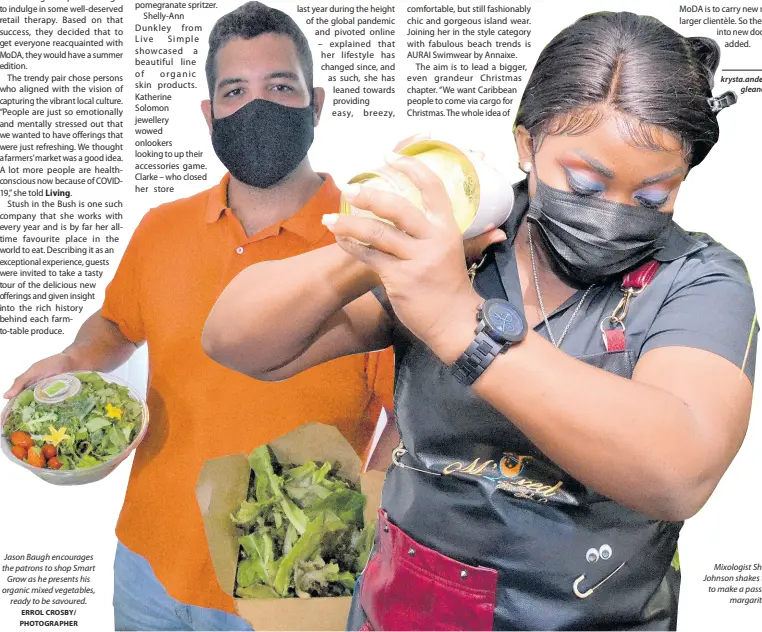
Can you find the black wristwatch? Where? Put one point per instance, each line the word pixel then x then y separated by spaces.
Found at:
pixel 500 326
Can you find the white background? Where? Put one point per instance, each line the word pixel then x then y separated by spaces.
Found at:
pixel 719 198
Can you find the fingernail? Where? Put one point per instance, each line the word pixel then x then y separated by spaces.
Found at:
pixel 351 190
pixel 392 157
pixel 330 219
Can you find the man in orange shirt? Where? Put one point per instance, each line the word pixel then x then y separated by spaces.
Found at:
pixel 261 115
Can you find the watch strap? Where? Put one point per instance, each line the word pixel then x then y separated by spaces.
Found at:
pixel 476 358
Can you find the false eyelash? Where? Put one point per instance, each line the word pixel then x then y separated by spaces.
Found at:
pixel 646 203
pixel 579 189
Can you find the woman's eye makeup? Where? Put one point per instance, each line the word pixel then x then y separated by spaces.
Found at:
pixel 651 199
pixel 582 184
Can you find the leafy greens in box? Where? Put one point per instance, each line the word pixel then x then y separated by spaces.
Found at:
pixel 303 531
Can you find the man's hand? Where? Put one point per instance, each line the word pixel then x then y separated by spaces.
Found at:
pixel 99 346
pixel 55 364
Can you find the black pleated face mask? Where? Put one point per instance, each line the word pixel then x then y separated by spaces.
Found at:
pixel 589 240
pixel 262 142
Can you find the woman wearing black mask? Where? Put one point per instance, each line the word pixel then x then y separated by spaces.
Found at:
pixel 555 435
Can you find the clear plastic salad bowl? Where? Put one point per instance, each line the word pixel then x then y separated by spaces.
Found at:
pixel 85 474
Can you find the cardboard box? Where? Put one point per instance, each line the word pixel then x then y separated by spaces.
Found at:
pixel 223 484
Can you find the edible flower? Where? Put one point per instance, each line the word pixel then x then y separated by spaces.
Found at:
pixel 113 412
pixel 56 436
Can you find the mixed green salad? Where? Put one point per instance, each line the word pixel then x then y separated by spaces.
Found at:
pixel 89 428
pixel 304 533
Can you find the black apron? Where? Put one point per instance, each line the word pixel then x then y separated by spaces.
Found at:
pixel 484 511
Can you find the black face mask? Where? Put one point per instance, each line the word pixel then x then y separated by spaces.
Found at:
pixel 262 142
pixel 589 240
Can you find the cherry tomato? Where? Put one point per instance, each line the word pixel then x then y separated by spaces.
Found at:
pixel 50 451
pixel 22 439
pixel 19 452
pixel 35 457
pixel 54 464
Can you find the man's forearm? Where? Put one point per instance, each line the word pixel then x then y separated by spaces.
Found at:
pixel 100 345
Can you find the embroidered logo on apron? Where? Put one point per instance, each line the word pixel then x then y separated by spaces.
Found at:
pixel 515 474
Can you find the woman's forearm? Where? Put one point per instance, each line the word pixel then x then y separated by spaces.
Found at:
pixel 631 441
pixel 272 311
pixel 628 441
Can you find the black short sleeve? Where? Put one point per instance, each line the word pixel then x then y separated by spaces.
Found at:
pixel 710 306
pixel 380 293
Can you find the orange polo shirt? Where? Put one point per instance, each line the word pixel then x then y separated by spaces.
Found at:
pixel 177 263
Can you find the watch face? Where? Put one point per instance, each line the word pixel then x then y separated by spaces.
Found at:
pixel 504 320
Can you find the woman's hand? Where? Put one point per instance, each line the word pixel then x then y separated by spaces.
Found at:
pixel 420 259
pixel 475 246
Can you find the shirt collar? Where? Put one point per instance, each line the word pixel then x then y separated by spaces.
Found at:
pixel 217 202
pixel 305 223
pixel 674 243
pixel 677 243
